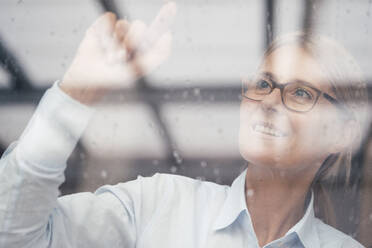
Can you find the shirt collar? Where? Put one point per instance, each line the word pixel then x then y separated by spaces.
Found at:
pixel 305 228
pixel 235 204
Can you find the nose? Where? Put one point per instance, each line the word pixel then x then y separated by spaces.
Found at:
pixel 272 101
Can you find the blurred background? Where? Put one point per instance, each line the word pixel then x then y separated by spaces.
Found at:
pixel 184 117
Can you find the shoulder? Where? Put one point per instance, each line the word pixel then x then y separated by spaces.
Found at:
pixel 163 186
pixel 331 237
pixel 162 195
pixel 176 184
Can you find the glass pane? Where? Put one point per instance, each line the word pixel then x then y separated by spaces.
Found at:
pixel 126 94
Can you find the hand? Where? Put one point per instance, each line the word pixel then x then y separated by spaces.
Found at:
pixel 115 53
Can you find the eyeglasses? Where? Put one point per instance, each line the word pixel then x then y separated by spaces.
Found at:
pixel 296 96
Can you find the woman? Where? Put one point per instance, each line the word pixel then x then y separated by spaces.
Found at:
pixel 289 143
pixel 301 136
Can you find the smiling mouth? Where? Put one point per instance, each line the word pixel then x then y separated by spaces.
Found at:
pixel 267 129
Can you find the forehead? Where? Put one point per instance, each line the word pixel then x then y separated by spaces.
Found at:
pixel 291 62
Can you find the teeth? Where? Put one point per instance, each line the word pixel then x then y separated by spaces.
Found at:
pixel 267 130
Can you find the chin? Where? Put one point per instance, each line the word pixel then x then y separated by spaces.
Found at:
pixel 261 159
pixel 262 153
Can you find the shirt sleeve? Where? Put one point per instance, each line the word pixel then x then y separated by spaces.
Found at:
pixel 32 169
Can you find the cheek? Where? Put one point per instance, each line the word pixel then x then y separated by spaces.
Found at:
pixel 248 145
pixel 246 109
pixel 311 135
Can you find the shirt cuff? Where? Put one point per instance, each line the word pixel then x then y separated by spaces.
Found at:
pixel 54 130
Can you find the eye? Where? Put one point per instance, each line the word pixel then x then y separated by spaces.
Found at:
pixel 302 93
pixel 262 84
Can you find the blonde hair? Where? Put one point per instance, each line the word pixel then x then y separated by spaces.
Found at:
pixel 345 78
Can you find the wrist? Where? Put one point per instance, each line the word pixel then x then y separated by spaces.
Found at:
pixel 83 93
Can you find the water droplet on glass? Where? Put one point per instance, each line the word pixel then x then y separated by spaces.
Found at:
pixel 173 169
pixel 177 156
pixel 250 192
pixel 216 171
pixel 155 162
pixel 203 164
pixel 104 174
pixel 196 91
pixel 200 178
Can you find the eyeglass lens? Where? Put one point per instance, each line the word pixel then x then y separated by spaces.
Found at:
pixel 296 96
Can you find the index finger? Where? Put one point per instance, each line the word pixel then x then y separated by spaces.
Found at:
pixel 162 21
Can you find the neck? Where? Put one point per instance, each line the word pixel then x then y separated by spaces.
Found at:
pixel 275 199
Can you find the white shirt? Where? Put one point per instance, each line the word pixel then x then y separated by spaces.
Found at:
pixel 159 211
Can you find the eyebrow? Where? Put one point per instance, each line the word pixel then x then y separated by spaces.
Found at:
pixel 268 75
pixel 273 78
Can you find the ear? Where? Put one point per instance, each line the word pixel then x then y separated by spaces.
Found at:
pixel 345 136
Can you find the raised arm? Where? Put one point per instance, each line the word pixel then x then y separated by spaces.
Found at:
pixel 113 54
